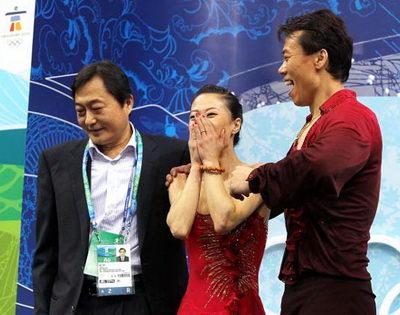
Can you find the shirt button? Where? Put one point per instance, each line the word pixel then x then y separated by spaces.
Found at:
pixel 73 309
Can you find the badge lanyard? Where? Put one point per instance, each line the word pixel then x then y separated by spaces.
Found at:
pixel 131 196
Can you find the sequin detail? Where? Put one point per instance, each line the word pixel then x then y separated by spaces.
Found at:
pixel 232 264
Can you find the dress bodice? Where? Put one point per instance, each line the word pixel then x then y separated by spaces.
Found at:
pixel 223 269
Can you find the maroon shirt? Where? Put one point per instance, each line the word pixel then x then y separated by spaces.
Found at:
pixel 329 191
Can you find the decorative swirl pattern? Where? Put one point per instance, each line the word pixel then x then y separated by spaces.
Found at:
pixel 171 48
pixel 363 8
pixel 224 17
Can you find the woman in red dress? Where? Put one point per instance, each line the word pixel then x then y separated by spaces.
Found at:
pixel 225 238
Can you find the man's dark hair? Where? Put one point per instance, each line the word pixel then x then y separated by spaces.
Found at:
pixel 122 249
pixel 115 80
pixel 323 30
pixel 231 100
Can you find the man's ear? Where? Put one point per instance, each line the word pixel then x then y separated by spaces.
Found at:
pixel 321 59
pixel 130 101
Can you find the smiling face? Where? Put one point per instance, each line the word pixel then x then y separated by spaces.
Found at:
pixel 214 107
pixel 104 119
pixel 299 71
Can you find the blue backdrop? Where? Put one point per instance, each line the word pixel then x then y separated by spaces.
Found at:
pixel 171 48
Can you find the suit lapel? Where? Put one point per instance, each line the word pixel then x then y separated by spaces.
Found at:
pixel 146 186
pixel 75 172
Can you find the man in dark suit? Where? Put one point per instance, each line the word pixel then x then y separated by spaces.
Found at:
pixel 70 209
pixel 122 255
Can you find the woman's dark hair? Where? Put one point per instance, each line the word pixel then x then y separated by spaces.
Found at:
pixel 231 100
pixel 115 80
pixel 323 30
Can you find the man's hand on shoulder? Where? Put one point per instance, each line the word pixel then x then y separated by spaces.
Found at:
pixel 184 169
pixel 238 184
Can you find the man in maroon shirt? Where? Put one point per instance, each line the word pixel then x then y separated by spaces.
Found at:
pixel 328 185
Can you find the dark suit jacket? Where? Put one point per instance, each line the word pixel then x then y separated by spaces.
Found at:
pixel 62 228
pixel 126 258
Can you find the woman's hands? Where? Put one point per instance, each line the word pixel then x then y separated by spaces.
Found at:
pixel 193 150
pixel 210 143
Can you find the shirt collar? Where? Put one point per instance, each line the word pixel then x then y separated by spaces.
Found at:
pixel 131 145
pixel 333 101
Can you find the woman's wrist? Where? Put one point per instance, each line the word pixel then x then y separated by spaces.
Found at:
pixel 212 163
pixel 195 166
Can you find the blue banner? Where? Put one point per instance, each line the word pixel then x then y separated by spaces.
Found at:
pixel 169 49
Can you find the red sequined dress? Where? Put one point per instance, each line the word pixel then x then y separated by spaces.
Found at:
pixel 223 269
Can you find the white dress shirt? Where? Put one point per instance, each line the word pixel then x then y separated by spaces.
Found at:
pixel 109 185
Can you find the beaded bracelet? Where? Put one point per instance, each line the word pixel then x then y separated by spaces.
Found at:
pixel 212 170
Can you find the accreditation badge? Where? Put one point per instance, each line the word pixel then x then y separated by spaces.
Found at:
pixel 114 270
pixel 103 238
